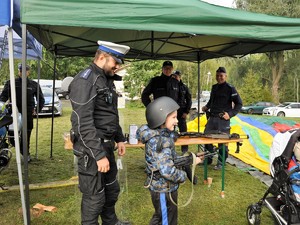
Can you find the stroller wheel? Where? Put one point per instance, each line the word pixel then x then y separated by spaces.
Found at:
pixel 253 215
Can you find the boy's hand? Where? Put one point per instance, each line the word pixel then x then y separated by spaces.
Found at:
pixel 200 157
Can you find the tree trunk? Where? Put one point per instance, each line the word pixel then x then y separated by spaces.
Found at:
pixel 277 64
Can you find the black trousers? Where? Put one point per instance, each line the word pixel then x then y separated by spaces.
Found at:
pixel 182 128
pixel 100 191
pixel 166 213
pixel 29 130
pixel 217 124
pixel 12 140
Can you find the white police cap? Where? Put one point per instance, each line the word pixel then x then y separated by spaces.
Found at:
pixel 115 50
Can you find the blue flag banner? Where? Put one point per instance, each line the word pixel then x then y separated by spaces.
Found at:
pixel 5 13
pixel 16 25
pixel 17 41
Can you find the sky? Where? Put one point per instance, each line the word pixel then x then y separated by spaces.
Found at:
pixel 226 3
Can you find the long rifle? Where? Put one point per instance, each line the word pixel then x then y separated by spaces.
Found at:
pixel 216 135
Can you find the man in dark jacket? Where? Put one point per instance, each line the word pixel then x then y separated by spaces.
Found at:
pixel 163 85
pixel 33 91
pixel 95 123
pixel 223 104
pixel 185 103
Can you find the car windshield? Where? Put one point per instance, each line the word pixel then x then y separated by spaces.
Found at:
pixel 47 92
pixel 283 104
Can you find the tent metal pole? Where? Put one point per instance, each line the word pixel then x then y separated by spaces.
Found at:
pixel 54 73
pixel 15 120
pixel 152 43
pixel 24 119
pixel 37 110
pixel 198 88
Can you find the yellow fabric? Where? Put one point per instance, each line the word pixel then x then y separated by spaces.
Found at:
pixel 247 152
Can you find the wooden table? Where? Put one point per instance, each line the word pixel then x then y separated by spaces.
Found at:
pixel 200 141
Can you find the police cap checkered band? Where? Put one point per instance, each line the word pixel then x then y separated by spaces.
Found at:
pixel 115 50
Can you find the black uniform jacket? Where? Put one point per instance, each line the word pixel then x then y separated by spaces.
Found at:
pixel 32 93
pixel 95 112
pixel 161 86
pixel 221 98
pixel 185 99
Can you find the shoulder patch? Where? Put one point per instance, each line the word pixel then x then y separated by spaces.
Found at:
pixel 86 73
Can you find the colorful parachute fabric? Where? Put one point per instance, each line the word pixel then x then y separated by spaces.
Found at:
pixel 261 130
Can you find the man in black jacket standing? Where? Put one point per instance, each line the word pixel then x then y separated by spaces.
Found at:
pixel 96 129
pixel 223 104
pixel 163 85
pixel 185 103
pixel 33 88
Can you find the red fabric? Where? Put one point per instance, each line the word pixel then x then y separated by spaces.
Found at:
pixel 292 163
pixel 281 127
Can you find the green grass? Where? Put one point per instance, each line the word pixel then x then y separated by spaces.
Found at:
pixel 206 208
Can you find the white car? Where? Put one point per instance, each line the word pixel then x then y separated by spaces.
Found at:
pixel 47 109
pixel 202 102
pixel 286 109
pixel 269 111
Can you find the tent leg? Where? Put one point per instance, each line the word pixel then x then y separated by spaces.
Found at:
pixel 15 121
pixel 37 110
pixel 54 73
pixel 24 120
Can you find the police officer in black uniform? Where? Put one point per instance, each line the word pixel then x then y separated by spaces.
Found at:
pixel 163 85
pixel 223 104
pixel 33 89
pixel 95 130
pixel 185 103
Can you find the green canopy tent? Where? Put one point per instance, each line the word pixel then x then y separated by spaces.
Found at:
pixel 159 29
pixel 188 30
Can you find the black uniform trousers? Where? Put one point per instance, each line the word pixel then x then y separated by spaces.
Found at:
pixel 29 130
pixel 215 123
pixel 166 213
pixel 182 128
pixel 100 191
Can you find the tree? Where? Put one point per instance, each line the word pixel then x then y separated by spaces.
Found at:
pixel 252 88
pixel 288 8
pixel 67 66
pixel 139 75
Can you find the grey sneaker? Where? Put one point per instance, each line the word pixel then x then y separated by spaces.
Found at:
pixel 218 167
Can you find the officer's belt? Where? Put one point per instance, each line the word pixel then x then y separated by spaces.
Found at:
pixel 214 114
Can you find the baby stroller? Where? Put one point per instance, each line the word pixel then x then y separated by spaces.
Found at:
pixel 281 198
pixel 6 129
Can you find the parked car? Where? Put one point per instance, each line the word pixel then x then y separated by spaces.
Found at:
pixel 269 111
pixel 202 102
pixel 47 109
pixel 256 108
pixel 63 94
pixel 194 107
pixel 287 109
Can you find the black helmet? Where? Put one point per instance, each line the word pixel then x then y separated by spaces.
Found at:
pixel 158 110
